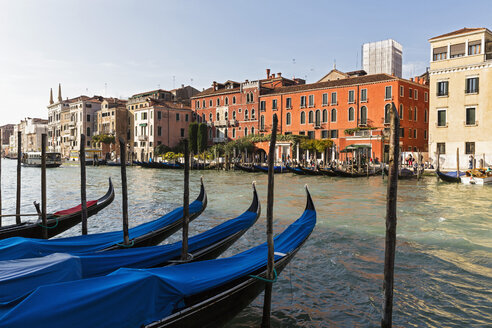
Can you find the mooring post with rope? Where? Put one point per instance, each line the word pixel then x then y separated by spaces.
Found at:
pixel 83 198
pixel 186 203
pixel 124 192
pixel 18 193
pixel 0 177
pixel 267 302
pixel 390 241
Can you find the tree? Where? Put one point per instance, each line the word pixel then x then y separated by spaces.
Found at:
pixel 202 137
pixel 162 149
pixel 193 137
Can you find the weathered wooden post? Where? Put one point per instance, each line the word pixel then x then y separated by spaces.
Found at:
pixel 83 198
pixel 43 185
pixel 391 199
pixel 186 205
pixel 0 177
pixel 124 192
pixel 267 302
pixel 457 163
pixel 18 194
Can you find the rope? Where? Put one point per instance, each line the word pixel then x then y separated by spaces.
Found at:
pixel 264 279
pixel 47 227
pixel 130 245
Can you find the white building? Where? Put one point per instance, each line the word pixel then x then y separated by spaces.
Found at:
pixel 382 57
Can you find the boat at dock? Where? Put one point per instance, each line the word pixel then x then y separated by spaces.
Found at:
pixel 33 159
pixel 200 294
pixel 477 176
pixel 147 234
pixel 245 168
pixel 24 275
pixel 276 169
pixel 59 221
pixel 450 176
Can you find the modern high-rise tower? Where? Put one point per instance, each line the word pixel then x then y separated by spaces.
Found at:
pixel 382 57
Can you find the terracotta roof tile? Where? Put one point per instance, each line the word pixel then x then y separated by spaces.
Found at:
pixel 460 31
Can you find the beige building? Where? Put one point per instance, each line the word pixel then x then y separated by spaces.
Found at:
pixel 31 133
pixel 460 97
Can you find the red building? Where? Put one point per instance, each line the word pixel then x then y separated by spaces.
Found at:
pixel 351 109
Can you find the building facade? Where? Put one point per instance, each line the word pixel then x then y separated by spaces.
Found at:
pixel 382 57
pixel 56 110
pixel 460 98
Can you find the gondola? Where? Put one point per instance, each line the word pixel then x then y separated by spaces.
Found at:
pixel 276 169
pixel 59 221
pixel 328 172
pixel 22 276
pixel 403 174
pixel 347 174
pixel 311 171
pixel 295 170
pixel 245 168
pixel 449 176
pixel 200 294
pixel 146 234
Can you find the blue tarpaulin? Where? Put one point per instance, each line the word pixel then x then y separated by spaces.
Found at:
pixel 18 277
pixel 134 297
pixel 19 247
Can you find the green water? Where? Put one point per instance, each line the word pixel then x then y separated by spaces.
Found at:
pixel 443 275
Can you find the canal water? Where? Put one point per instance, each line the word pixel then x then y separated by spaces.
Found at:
pixel 443 274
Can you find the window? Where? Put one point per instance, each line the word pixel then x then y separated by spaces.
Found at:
pixel 144 115
pixel 302 133
pixel 426 115
pixel 262 123
pixel 274 104
pixel 333 134
pixel 210 103
pixel 324 134
pixel 233 102
pixel 363 95
pixel 253 114
pixel 325 99
pixel 441 117
pixel 410 93
pixel 245 131
pixel 363 115
pixel 351 96
pixel 233 132
pixel 303 118
pixel 159 131
pixel 402 132
pixel 325 115
pixel 387 114
pixel 311 134
pixel 88 132
pixel 88 117
pixel 472 85
pixel 440 53
pixel 233 114
pixel 351 114
pixel 218 116
pixel 288 119
pixel 470 148
pixel 226 115
pixel 262 105
pixel 226 101
pixel 333 115
pixel 252 130
pixel 474 47
pixel 317 118
pixel 288 103
pixel 333 98
pixel 246 116
pixel 387 93
pixel 401 111
pixel 415 114
pixel 426 96
pixel 186 118
pixel 415 133
pixel 311 100
pixel 203 103
pixel 425 134
pixel 159 115
pixel 177 116
pixel 303 101
pixel 409 133
pixel 470 116
pixel 402 90
pixel 210 117
pixel 416 94
pixel 182 133
pixel 197 104
pixel 218 102
pixel 311 117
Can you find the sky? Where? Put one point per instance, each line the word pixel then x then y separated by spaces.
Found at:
pixel 122 47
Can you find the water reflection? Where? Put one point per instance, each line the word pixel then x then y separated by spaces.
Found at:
pixel 443 261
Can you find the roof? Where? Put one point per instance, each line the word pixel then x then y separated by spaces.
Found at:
pixel 210 91
pixel 168 104
pixel 374 78
pixel 464 30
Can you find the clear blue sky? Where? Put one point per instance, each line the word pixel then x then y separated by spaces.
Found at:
pixel 118 48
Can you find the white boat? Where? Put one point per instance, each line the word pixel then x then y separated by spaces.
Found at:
pixel 477 176
pixel 33 159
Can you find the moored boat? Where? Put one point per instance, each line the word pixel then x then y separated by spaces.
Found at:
pixel 59 221
pixel 450 176
pixel 245 168
pixel 295 170
pixel 33 159
pixel 477 176
pixel 311 171
pixel 276 169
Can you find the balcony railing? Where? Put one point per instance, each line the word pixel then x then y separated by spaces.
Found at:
pixel 142 138
pixel 219 139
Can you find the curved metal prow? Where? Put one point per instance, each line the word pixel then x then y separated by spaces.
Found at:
pixel 201 197
pixel 309 201
pixel 255 204
pixel 109 193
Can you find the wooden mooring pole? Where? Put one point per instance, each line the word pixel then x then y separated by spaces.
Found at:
pixel 124 191
pixel 186 205
pixel 43 185
pixel 457 163
pixel 267 302
pixel 391 199
pixel 0 177
pixel 83 198
pixel 18 193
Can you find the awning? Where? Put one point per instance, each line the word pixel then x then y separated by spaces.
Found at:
pixel 355 147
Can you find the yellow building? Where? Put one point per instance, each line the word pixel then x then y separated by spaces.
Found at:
pixel 461 97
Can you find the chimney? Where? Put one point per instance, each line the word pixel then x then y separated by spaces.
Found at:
pixel 268 73
pixel 273 75
pixel 182 86
pixel 215 85
pixel 51 97
pixel 279 74
pixel 411 79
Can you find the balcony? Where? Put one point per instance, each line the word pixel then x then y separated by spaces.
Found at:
pixel 72 138
pixel 362 133
pixel 317 125
pixel 210 124
pixel 233 122
pixel 142 138
pixel 220 123
pixel 219 139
